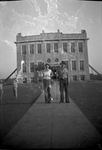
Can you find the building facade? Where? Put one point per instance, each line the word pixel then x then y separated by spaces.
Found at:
pixel 53 48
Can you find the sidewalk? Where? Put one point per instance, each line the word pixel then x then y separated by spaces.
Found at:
pixel 53 125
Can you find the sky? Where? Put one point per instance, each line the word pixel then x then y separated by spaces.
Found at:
pixel 30 17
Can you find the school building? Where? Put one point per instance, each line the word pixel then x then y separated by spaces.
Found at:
pixel 52 48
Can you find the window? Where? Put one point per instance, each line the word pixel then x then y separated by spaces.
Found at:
pixel 24 68
pixel 48 47
pixel 56 47
pixel 48 60
pixel 24 80
pixel 74 77
pixel 31 66
pixel 80 45
pixel 32 49
pixel 39 48
pixel 56 60
pixel 73 47
pixel 23 49
pixel 65 47
pixel 82 77
pixel 81 64
pixel 73 64
pixel 32 79
pixel 40 65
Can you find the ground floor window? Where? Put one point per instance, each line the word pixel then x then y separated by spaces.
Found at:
pixel 74 77
pixel 31 66
pixel 25 80
pixel 32 79
pixel 74 65
pixel 82 77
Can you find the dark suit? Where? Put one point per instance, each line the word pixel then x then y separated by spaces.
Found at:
pixel 63 77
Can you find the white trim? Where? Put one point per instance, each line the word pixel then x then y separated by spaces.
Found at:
pixel 69 47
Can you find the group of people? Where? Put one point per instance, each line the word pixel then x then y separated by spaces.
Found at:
pixel 64 81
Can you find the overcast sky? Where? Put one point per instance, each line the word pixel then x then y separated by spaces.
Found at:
pixel 30 17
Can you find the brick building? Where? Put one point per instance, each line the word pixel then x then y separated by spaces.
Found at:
pixel 53 48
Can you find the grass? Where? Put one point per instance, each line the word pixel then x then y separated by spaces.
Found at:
pixel 11 109
pixel 88 97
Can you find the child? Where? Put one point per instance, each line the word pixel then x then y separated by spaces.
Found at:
pixel 1 89
pixel 15 86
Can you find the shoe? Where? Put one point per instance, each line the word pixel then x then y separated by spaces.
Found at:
pixel 67 102
pixel 61 102
pixel 49 102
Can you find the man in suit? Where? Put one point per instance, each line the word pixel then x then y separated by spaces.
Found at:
pixel 64 78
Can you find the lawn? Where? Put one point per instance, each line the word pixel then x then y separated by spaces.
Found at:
pixel 11 109
pixel 88 97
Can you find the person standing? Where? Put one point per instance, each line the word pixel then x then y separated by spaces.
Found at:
pixel 64 78
pixel 15 88
pixel 1 89
pixel 47 75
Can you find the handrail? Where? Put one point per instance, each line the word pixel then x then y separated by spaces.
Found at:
pixel 95 70
pixel 10 75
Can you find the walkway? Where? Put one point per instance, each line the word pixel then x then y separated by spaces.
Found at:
pixel 53 125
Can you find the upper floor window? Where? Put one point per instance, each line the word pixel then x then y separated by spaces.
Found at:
pixel 80 45
pixel 40 65
pixel 73 64
pixel 48 47
pixel 81 64
pixel 73 47
pixel 56 47
pixel 65 47
pixel 39 48
pixel 23 49
pixel 31 66
pixel 31 48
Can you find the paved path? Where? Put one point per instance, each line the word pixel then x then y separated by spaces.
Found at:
pixel 53 125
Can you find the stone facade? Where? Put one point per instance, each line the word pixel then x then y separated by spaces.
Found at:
pixel 53 48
